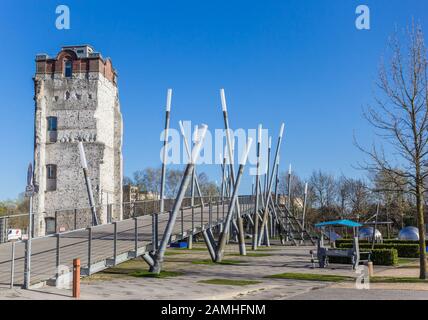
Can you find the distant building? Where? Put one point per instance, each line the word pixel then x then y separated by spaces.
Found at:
pixel 133 193
pixel 297 201
pixel 136 202
pixel 76 99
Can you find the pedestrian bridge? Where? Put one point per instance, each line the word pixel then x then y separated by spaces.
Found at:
pixel 103 246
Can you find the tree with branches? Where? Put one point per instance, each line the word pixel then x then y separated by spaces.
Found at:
pixel 400 118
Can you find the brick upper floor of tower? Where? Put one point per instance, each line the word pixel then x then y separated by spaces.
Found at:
pixel 76 59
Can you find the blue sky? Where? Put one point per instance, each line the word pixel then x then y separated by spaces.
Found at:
pixel 301 62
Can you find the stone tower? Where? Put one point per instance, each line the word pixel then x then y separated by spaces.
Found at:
pixel 76 99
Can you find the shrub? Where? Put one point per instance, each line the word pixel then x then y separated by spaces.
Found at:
pixel 383 257
pixel 404 250
pixel 404 241
pixel 340 241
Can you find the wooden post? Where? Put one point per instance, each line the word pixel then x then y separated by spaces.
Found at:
pixel 76 278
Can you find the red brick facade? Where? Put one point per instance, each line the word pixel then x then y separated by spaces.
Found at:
pixel 80 65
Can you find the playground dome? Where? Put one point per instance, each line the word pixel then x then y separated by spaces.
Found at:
pixel 366 233
pixel 409 233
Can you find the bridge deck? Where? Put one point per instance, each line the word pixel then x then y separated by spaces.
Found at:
pixel 74 244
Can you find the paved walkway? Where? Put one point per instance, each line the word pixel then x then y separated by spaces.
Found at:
pixel 117 283
pixel 277 259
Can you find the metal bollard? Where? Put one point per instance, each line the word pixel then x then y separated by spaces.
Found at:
pixel 76 278
pixel 12 266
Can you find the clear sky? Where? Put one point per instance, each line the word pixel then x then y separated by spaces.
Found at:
pixel 298 61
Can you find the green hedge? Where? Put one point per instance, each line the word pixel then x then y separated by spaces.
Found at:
pixel 340 241
pixel 382 257
pixel 404 241
pixel 404 250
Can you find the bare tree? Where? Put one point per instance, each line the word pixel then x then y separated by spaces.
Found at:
pixel 400 117
pixel 343 193
pixel 359 198
pixel 324 187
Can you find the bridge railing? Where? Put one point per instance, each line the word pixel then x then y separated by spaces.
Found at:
pixel 108 244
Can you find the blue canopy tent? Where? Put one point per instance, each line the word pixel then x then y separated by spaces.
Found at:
pixel 332 235
pixel 343 222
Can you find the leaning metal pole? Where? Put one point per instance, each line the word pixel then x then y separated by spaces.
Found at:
pixel 158 258
pixel 241 237
pixel 256 206
pixel 268 167
pixel 276 181
pixel 195 181
pixel 84 164
pixel 266 209
pixel 233 202
pixel 163 173
pixel 223 182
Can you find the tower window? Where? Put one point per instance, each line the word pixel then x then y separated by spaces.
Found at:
pixel 68 68
pixel 52 129
pixel 52 123
pixel 51 177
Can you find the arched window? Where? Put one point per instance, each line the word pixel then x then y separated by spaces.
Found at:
pixel 68 68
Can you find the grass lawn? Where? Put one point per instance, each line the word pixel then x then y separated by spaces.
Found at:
pixel 163 274
pixel 311 277
pixel 224 261
pixel 407 260
pixel 230 282
pixel 174 253
pixel 251 254
pixel 189 250
pixel 396 280
pixel 263 248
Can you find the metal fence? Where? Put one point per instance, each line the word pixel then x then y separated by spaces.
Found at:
pixel 105 245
